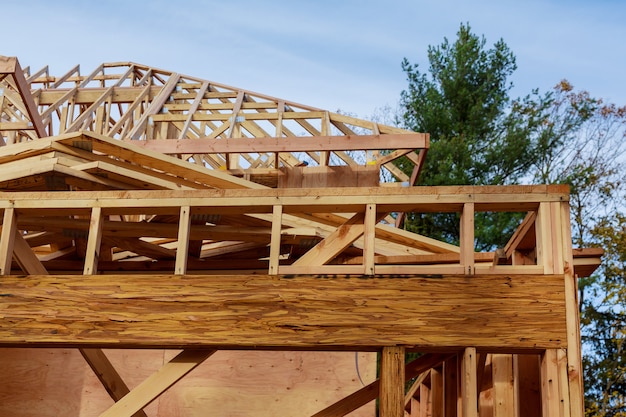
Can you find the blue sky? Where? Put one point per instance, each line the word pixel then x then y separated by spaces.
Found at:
pixel 334 55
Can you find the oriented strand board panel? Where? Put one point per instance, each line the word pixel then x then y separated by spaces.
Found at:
pixel 284 312
pixel 230 383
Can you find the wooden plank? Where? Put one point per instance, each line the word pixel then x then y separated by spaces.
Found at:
pixel 503 392
pixel 426 199
pixel 392 382
pixel 336 242
pixel 574 354
pixel 157 383
pixel 7 240
pixel 182 250
pixel 550 399
pixel 94 241
pixel 543 231
pixel 369 238
pixel 437 392
pixel 276 239
pixel 469 391
pixel 25 257
pixel 316 312
pixel 292 144
pixel 107 375
pixel 467 238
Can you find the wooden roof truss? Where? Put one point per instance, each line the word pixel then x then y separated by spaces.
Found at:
pixel 142 208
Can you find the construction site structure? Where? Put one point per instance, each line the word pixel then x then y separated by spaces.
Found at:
pixel 172 246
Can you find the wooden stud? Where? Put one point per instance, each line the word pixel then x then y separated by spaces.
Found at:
pixel 574 354
pixel 182 251
pixel 550 398
pixel 392 382
pixel 7 240
pixel 469 391
pixel 437 392
pixel 543 232
pixel 369 238
pixel 528 384
pixel 503 388
pixel 94 241
pixel 467 238
pixel 275 242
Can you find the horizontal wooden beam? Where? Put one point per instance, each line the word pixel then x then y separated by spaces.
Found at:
pixel 283 312
pixel 345 199
pixel 286 144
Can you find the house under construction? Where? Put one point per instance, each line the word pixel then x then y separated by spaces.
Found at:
pixel 172 246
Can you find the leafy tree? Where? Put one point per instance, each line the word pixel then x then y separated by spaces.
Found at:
pixel 479 135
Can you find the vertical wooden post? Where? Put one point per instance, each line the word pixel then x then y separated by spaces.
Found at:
pixel 467 238
pixel 550 400
pixel 184 227
pixel 437 389
pixel 574 354
pixel 7 240
pixel 392 382
pixel 544 234
pixel 503 393
pixel 92 254
pixel 369 237
pixel 277 216
pixel 469 388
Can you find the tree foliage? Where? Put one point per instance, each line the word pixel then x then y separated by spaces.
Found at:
pixel 481 136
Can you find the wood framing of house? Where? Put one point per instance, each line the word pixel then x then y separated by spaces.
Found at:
pixel 149 211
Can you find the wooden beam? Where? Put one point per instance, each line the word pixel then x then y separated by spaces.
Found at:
pixel 392 382
pixel 157 383
pixel 108 376
pixel 25 257
pixel 10 65
pixel 317 312
pixel 336 242
pixel 333 200
pixel 7 240
pixel 282 144
pixel 574 353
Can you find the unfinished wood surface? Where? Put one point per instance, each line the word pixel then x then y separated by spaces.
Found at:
pixel 574 353
pixel 469 389
pixel 7 240
pixel 108 376
pixel 392 382
pixel 321 312
pixel 252 383
pixel 503 386
pixel 156 384
pixel 371 391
